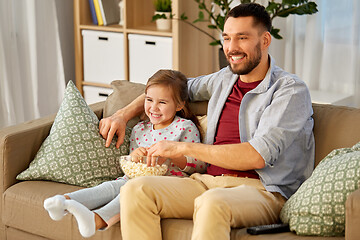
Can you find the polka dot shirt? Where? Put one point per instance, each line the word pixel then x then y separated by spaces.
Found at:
pixel 181 130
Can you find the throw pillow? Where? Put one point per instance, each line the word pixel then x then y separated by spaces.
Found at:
pixel 124 93
pixel 75 152
pixel 318 206
pixel 203 125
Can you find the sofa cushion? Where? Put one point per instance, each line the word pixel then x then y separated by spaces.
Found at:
pixel 181 229
pixel 334 127
pixel 23 210
pixel 75 152
pixel 318 207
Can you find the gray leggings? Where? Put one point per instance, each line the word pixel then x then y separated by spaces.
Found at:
pixel 105 196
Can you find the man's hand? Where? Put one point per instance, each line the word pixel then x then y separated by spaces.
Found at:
pixel 110 126
pixel 165 149
pixel 116 124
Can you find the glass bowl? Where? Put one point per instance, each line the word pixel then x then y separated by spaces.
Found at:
pixel 137 166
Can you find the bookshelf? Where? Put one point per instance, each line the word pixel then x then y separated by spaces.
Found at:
pixel 191 52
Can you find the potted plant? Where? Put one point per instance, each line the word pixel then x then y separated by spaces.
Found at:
pixel 215 12
pixel 162 14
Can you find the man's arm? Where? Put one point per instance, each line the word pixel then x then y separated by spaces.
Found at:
pixel 116 123
pixel 240 156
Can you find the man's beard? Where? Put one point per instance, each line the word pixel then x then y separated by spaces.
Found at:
pixel 249 66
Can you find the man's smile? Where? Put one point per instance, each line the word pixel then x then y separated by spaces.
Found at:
pixel 237 58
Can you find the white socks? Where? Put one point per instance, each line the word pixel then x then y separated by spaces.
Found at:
pixel 84 217
pixel 57 207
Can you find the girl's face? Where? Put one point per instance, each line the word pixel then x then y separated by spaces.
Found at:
pixel 160 106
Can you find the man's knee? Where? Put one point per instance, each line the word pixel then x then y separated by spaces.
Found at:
pixel 211 199
pixel 221 198
pixel 132 195
pixel 134 186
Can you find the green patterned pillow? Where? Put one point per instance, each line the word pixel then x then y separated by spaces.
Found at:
pixel 318 207
pixel 75 152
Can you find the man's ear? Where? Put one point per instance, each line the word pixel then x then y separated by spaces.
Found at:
pixel 266 39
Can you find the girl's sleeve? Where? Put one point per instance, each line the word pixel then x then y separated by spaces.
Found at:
pixel 191 134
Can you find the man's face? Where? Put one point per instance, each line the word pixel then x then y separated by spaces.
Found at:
pixel 242 45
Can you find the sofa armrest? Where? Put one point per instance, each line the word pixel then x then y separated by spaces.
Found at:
pixel 18 147
pixel 20 143
pixel 352 216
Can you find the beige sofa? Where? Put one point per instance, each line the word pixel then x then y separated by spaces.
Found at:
pixel 23 216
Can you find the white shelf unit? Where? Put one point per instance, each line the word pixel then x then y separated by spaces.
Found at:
pixel 190 51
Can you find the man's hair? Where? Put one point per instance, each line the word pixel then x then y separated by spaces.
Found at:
pixel 257 11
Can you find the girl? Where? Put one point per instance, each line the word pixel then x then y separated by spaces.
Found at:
pixel 166 105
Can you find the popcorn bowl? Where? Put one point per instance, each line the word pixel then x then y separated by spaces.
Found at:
pixel 135 166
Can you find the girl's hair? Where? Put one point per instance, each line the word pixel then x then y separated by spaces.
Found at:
pixel 177 83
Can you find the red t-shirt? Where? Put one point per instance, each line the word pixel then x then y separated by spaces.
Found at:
pixel 228 127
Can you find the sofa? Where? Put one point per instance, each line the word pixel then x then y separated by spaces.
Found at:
pixel 23 215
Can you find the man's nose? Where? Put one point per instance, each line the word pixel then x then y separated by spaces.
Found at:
pixel 233 46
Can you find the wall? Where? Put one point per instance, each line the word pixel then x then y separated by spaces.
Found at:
pixel 65 14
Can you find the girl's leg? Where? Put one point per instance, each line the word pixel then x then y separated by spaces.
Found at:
pixel 99 195
pixel 90 197
pixel 89 221
pixel 56 207
pixel 109 213
pixel 84 217
pixel 80 202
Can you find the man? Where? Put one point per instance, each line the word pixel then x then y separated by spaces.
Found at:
pixel 259 143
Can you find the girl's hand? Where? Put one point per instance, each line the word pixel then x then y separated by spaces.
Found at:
pixel 138 153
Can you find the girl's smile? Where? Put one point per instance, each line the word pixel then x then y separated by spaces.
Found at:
pixel 160 106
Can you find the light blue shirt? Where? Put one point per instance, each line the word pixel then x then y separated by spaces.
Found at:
pixel 275 118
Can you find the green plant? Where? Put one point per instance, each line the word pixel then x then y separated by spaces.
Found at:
pixel 215 13
pixel 162 5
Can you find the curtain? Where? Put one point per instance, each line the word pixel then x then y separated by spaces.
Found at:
pixel 323 49
pixel 31 65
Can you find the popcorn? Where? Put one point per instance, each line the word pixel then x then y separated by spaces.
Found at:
pixel 137 169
